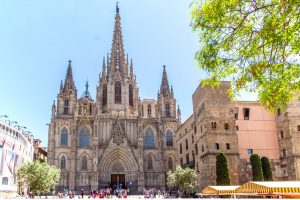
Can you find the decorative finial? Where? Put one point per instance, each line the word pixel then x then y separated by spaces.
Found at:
pixel 70 61
pixel 86 85
pixel 117 7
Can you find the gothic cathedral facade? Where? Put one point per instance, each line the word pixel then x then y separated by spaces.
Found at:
pixel 116 138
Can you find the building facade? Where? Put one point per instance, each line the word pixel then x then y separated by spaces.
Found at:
pixel 238 129
pixel 116 139
pixel 39 153
pixel 15 149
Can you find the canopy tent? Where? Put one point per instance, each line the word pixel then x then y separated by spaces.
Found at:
pixel 217 190
pixel 267 187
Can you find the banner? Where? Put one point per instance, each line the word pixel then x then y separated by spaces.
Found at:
pixel 8 163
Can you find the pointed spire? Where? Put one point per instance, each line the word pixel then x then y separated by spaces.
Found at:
pixel 178 114
pixel 117 59
pixel 164 87
pixel 61 86
pixel 117 8
pixel 86 93
pixel 69 82
pixel 131 68
pixel 103 69
pixel 53 109
pixel 172 90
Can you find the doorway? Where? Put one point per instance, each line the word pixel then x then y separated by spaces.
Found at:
pixel 117 179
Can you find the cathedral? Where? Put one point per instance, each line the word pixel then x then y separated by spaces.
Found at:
pixel 116 138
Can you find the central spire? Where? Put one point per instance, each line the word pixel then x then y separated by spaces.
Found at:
pixel 118 58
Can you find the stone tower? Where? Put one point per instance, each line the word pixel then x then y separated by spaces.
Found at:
pixel 118 139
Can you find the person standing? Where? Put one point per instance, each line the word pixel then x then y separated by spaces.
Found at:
pixel 82 193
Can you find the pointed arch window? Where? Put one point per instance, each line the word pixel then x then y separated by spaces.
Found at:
pixel 170 163
pixel 149 139
pixel 84 138
pixel 118 92
pixel 130 96
pixel 150 162
pixel 64 137
pixel 167 108
pixel 63 162
pixel 104 95
pixel 169 138
pixel 66 106
pixel 149 110
pixel 84 163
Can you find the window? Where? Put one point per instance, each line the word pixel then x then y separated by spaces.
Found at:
pixel 213 125
pixel 130 96
pixel 104 95
pixel 149 139
pixel 63 162
pixel 64 137
pixel 201 129
pixel 186 144
pixel 187 157
pixel 192 139
pixel 169 138
pixel 142 110
pixel 236 112
pixel 84 163
pixel 284 152
pixel 149 110
pixel 150 162
pixel 170 163
pixel 185 130
pixel 281 134
pixel 278 112
pixel 217 146
pixel 195 129
pixel 250 151
pixel 180 148
pixel 298 127
pixel 4 181
pixel 227 146
pixel 196 148
pixel 226 126
pixel 202 148
pixel 236 127
pixel 246 112
pixel 167 107
pixel 84 138
pixel 181 161
pixel 118 93
pixel 66 107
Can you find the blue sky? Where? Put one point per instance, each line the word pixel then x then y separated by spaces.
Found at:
pixel 37 38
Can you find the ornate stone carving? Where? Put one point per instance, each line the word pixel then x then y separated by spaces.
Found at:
pixel 117 135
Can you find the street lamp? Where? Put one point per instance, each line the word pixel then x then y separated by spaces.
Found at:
pixel 12 122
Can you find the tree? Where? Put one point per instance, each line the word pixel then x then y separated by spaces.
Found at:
pixel 266 168
pixel 256 168
pixel 255 44
pixel 40 177
pixel 184 179
pixel 222 170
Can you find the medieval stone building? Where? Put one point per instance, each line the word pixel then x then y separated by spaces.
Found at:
pixel 116 138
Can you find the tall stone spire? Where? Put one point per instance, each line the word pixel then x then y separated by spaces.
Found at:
pixel 164 87
pixel 118 58
pixel 103 69
pixel 69 82
pixel 131 68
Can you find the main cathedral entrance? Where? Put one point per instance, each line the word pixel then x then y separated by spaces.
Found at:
pixel 117 180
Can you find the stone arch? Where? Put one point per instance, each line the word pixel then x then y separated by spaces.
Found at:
pixel 168 157
pixel 65 163
pixel 150 157
pixel 120 155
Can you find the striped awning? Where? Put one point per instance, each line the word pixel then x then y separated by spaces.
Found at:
pixel 216 190
pixel 270 187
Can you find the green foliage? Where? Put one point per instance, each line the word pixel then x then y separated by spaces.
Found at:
pixel 255 44
pixel 222 170
pixel 40 177
pixel 184 179
pixel 266 168
pixel 256 168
